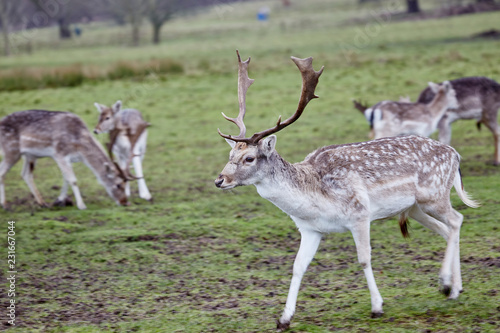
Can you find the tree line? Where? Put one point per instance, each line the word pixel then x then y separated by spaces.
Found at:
pixel 16 15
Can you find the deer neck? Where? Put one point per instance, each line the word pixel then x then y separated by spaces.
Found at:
pixel 287 185
pixel 438 105
pixel 95 158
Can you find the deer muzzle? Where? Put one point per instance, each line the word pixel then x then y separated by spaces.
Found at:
pixel 219 181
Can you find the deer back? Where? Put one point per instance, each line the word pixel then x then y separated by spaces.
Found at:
pixel 473 93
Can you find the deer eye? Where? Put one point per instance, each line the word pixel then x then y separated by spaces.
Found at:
pixel 107 118
pixel 249 159
pixel 119 186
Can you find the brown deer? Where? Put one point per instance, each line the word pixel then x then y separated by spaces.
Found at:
pixel 62 136
pixel 128 138
pixel 389 118
pixel 344 187
pixel 479 99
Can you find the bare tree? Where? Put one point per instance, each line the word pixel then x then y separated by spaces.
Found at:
pixel 10 13
pixel 159 12
pixel 413 6
pixel 63 13
pixel 131 12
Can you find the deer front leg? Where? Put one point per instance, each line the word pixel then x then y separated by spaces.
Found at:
pixel 444 127
pixel 27 174
pixel 61 199
pixel 5 166
pixel 139 150
pixel 361 235
pixel 308 246
pixel 69 176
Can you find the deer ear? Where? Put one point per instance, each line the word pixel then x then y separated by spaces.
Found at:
pixel 99 107
pixel 231 142
pixel 447 86
pixel 117 106
pixel 268 144
pixel 434 87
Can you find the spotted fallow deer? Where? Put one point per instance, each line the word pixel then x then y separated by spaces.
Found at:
pixel 128 138
pixel 344 187
pixel 64 137
pixel 479 99
pixel 389 118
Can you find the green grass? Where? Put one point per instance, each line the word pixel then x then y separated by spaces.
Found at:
pixel 202 260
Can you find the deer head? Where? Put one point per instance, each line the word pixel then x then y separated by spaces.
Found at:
pixel 106 118
pixel 445 90
pixel 114 182
pixel 250 158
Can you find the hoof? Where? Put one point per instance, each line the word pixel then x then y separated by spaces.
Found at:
pixel 63 203
pixel 446 290
pixel 377 314
pixel 280 327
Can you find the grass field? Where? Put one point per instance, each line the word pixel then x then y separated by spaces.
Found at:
pixel 201 260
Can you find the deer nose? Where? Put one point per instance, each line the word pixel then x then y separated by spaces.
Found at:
pixel 124 202
pixel 219 181
pixel 96 132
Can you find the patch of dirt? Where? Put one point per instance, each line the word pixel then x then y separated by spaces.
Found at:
pixel 488 261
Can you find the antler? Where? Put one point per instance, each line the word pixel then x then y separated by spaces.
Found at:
pixel 309 82
pixel 244 82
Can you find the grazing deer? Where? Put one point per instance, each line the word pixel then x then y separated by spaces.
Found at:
pixel 62 136
pixel 388 118
pixel 344 187
pixel 128 138
pixel 479 99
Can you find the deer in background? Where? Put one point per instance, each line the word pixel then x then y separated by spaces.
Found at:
pixel 62 136
pixel 389 118
pixel 344 187
pixel 479 99
pixel 128 139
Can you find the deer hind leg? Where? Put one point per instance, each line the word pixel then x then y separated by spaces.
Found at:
pixel 5 165
pixel 492 125
pixel 361 235
pixel 446 222
pixel 308 246
pixel 70 178
pixel 139 151
pixel 27 174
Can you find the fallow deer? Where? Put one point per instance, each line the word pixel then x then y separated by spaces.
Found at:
pixel 344 187
pixel 62 136
pixel 128 138
pixel 389 118
pixel 479 99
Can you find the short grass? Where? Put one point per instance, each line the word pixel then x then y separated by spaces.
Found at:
pixel 202 260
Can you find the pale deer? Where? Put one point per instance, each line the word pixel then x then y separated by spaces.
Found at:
pixel 344 187
pixel 479 99
pixel 64 137
pixel 389 118
pixel 128 138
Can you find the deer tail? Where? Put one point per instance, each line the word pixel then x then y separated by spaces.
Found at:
pixel 462 194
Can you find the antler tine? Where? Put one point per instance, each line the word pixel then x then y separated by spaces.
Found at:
pixel 244 82
pixel 310 79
